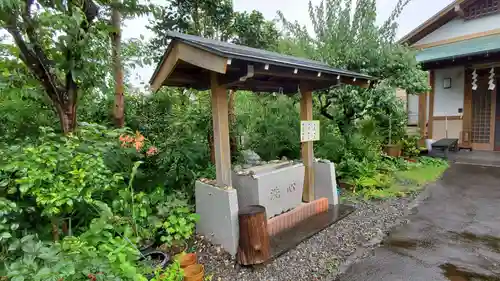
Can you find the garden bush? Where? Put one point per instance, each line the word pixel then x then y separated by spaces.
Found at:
pixel 68 197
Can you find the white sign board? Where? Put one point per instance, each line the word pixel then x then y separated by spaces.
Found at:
pixel 309 130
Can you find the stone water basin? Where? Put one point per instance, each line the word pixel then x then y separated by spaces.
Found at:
pixel 276 186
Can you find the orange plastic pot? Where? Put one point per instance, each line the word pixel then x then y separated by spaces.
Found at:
pixel 186 260
pixel 194 272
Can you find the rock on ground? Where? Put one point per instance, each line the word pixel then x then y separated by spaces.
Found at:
pixel 322 256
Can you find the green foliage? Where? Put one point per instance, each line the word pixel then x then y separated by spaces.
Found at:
pixel 178 124
pixel 179 221
pixel 431 161
pixel 406 177
pixel 251 29
pixel 410 147
pixel 64 45
pixel 352 40
pixel 61 173
pixel 269 124
pixel 173 272
pixel 356 121
pixel 97 254
pixel 212 19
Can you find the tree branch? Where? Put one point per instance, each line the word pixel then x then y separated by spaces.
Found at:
pixel 33 62
pixel 323 110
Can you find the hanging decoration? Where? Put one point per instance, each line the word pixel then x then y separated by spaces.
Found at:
pixel 491 82
pixel 474 80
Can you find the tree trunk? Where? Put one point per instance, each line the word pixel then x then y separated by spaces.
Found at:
pixel 55 230
pixel 67 112
pixel 211 147
pixel 118 113
pixel 232 123
pixel 254 247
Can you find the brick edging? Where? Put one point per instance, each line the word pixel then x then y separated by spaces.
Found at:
pixel 291 218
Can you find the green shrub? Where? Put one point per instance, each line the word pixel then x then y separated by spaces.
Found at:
pixel 178 218
pixel 410 147
pixel 53 180
pixel 270 125
pixel 97 254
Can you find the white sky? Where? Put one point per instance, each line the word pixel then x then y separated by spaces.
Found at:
pixel 414 14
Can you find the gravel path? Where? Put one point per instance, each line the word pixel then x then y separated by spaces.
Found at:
pixel 322 256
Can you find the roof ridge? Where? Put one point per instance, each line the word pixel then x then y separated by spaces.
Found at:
pixel 450 7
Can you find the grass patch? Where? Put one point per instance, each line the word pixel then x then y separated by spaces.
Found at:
pixel 404 182
pixel 420 175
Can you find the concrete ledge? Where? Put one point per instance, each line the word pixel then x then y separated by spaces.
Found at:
pixel 325 183
pixel 218 211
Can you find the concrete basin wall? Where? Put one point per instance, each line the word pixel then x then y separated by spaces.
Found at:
pixel 278 187
pixel 218 211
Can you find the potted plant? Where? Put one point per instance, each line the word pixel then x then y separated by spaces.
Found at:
pixel 156 261
pixel 393 150
pixel 174 248
pixel 186 259
pixel 178 224
pixel 173 272
pixel 146 241
pixel 410 147
pixel 194 272
pixel 147 233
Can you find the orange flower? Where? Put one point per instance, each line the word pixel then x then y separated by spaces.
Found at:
pixel 124 139
pixel 139 141
pixel 152 151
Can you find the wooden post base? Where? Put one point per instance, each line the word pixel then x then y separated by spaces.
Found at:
pixel 254 247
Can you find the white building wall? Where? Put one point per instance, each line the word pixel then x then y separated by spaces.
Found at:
pixel 448 101
pixel 459 27
pixel 412 109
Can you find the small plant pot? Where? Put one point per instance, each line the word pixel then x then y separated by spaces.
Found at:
pixel 186 259
pixel 159 261
pixel 177 247
pixel 146 246
pixel 393 150
pixel 410 159
pixel 346 186
pixel 194 272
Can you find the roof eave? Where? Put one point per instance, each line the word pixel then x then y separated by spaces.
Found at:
pixel 276 62
pixel 158 66
pixel 416 31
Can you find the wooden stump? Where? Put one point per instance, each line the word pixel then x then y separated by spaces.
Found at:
pixel 254 239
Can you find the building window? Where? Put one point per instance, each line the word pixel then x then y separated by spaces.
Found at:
pixel 481 8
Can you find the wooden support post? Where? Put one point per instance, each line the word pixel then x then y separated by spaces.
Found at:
pixel 254 246
pixel 221 132
pixel 466 134
pixel 432 83
pixel 422 110
pixel 307 148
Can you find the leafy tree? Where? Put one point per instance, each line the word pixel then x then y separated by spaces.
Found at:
pixel 206 18
pixel 23 107
pixel 212 19
pixel 251 29
pixel 64 44
pixel 354 41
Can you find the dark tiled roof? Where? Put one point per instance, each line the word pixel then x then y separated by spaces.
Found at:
pixel 257 55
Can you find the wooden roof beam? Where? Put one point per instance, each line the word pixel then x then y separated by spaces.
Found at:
pixel 182 51
pixel 459 11
pixel 312 76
